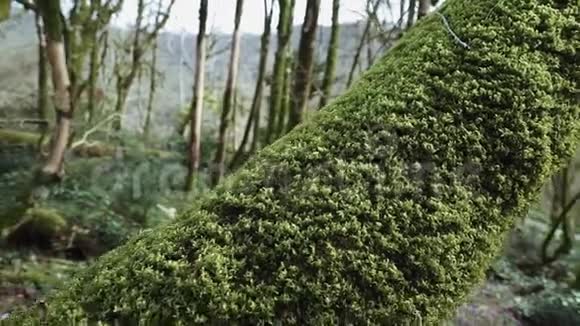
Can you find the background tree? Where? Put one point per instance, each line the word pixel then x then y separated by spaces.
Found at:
pixel 229 95
pixel 284 29
pixel 153 73
pixel 55 51
pixel 303 69
pixel 196 109
pixel 42 76
pixel 331 56
pixel 372 7
pixel 253 122
pixel 144 35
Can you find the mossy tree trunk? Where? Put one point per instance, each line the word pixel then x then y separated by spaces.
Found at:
pixel 304 65
pixel 228 99
pixel 331 56
pixel 285 17
pixel 53 169
pixel 383 208
pixel 196 109
pixel 253 123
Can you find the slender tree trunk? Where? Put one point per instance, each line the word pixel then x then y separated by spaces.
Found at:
pixel 424 6
pixel 42 77
pixel 229 94
pixel 92 81
pixel 53 169
pixel 331 56
pixel 152 90
pixel 196 109
pixel 124 81
pixel 361 44
pixel 411 13
pixel 254 116
pixel 284 28
pixel 402 11
pixel 303 73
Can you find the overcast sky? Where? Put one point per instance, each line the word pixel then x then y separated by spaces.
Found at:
pixel 221 14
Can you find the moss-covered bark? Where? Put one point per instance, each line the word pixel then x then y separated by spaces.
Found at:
pixel 387 205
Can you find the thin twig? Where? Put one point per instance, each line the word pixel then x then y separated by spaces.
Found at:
pixel 455 37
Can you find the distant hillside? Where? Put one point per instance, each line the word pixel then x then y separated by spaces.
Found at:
pixel 18 69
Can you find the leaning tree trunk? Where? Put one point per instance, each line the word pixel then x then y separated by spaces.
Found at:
pixel 228 101
pixel 53 169
pixel 196 110
pixel 384 208
pixel 303 72
pixel 331 56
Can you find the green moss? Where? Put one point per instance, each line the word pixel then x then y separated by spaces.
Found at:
pixel 15 137
pixel 387 205
pixel 4 9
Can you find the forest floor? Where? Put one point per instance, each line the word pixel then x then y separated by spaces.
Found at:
pixel 515 292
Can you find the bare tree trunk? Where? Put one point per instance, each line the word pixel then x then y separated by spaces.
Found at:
pixel 53 169
pixel 303 73
pixel 286 8
pixel 142 40
pixel 364 37
pixel 331 56
pixel 42 77
pixel 196 109
pixel 424 6
pixel 92 82
pixel 229 94
pixel 403 10
pixel 254 116
pixel 152 90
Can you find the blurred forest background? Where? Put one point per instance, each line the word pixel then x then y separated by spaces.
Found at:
pixel 148 119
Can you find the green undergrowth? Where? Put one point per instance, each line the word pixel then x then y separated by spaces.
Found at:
pixel 100 203
pixel 385 208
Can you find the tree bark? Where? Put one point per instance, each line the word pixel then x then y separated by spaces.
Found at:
pixel 254 116
pixel 196 109
pixel 331 56
pixel 285 17
pixel 229 94
pixel 303 70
